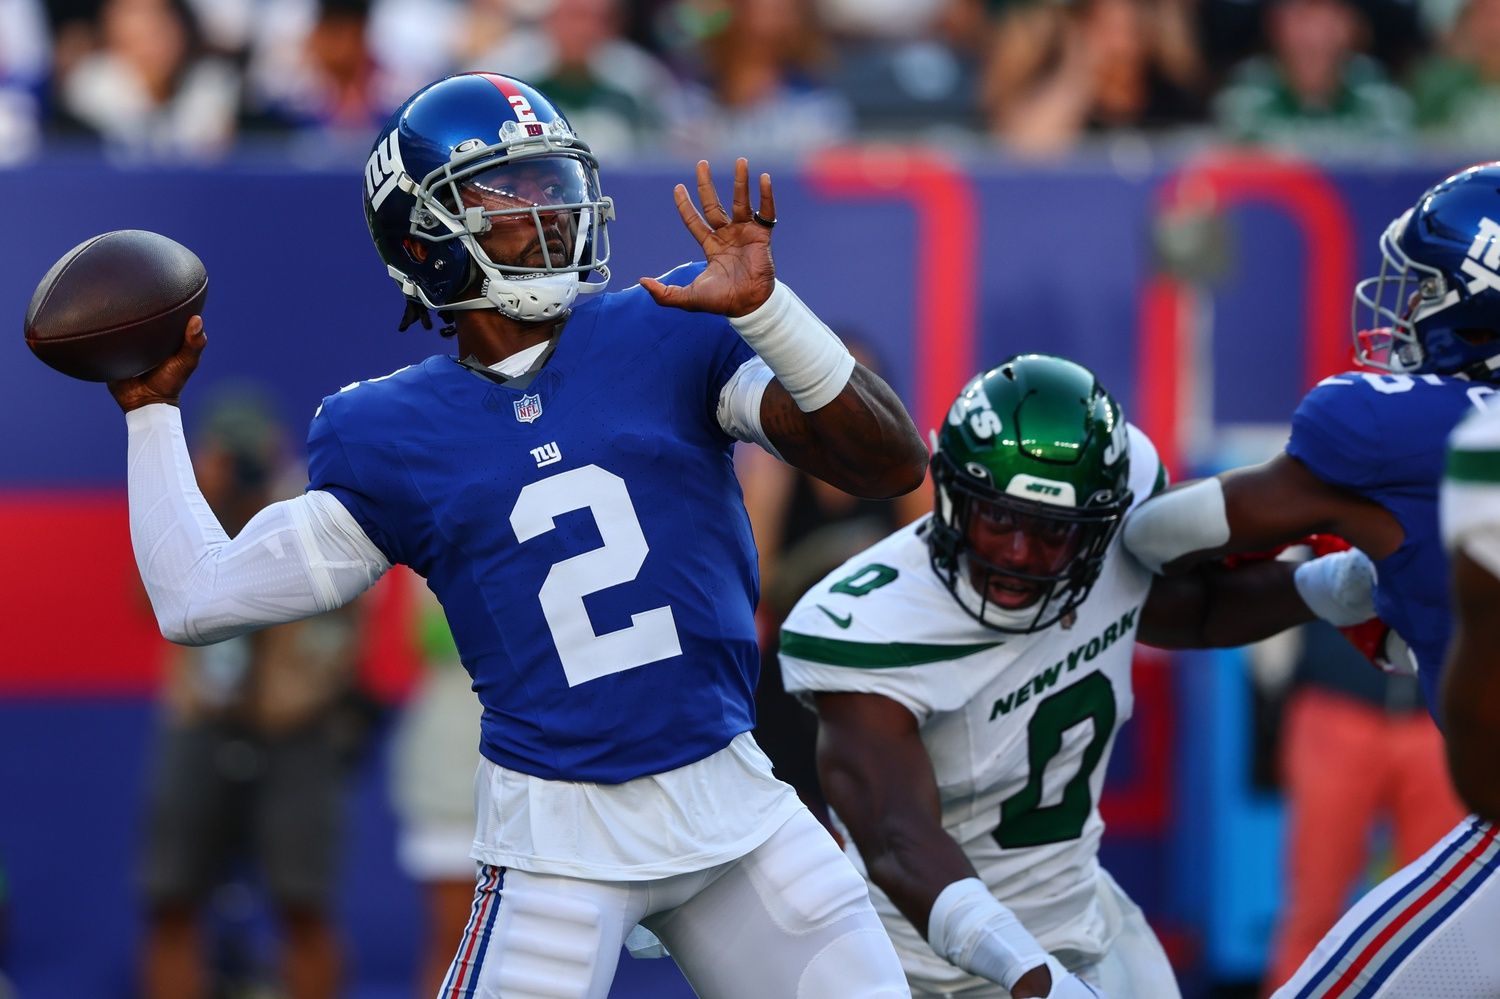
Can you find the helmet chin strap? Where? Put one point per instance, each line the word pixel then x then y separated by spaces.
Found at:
pixel 1011 620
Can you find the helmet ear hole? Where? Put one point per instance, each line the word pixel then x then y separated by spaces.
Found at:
pixel 415 249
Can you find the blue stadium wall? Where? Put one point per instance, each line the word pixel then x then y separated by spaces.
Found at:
pixel 943 266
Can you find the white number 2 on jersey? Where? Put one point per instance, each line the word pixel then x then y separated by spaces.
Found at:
pixel 652 634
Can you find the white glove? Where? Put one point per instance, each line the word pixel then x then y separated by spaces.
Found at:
pixel 1339 588
pixel 1066 985
pixel 1070 986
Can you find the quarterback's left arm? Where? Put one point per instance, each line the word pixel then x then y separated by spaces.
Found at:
pixel 822 411
pixel 1471 687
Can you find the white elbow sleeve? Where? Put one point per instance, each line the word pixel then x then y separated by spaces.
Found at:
pixel 807 358
pixel 974 931
pixel 1190 518
pixel 294 559
pixel 739 404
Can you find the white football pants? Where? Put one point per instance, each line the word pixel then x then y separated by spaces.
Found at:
pixel 789 920
pixel 1429 931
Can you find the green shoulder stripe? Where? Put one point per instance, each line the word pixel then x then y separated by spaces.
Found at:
pixel 1474 466
pixel 1161 477
pixel 872 655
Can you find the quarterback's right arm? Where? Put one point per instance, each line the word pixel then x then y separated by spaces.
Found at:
pixel 877 776
pixel 294 559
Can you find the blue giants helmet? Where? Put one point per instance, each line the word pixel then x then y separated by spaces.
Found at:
pixel 467 155
pixel 1435 306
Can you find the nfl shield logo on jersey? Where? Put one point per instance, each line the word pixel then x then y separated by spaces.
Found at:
pixel 528 408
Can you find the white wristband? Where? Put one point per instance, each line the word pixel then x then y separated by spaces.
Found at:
pixel 1190 518
pixel 972 929
pixel 1339 588
pixel 811 363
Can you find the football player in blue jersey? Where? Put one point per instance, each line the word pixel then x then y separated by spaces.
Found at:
pixel 565 483
pixel 1364 462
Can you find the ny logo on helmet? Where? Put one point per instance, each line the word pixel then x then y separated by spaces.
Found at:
pixel 1484 250
pixel 383 170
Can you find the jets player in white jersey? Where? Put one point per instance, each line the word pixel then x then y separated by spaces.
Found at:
pixel 1470 514
pixel 565 483
pixel 971 670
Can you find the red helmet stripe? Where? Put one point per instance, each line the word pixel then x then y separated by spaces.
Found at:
pixel 503 84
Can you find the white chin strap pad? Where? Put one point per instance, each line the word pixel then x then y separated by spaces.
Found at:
pixel 532 300
pixel 1190 518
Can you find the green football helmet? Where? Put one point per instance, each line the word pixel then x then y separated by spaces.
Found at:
pixel 1032 476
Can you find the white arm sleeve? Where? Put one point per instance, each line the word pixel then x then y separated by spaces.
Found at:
pixel 975 931
pixel 294 559
pixel 809 360
pixel 739 403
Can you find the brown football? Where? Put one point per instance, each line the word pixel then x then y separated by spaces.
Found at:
pixel 116 305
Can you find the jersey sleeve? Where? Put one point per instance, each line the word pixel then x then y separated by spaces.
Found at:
pixel 1334 435
pixel 331 470
pixel 1148 476
pixel 1470 502
pixel 836 640
pixel 707 346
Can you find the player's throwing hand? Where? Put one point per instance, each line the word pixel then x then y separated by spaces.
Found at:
pixel 736 243
pixel 164 382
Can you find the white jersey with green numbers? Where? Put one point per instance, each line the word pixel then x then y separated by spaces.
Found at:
pixel 1019 728
pixel 1470 502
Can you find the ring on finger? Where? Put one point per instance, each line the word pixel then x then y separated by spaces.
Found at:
pixel 761 220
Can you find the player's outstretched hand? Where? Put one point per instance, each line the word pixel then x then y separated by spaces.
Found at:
pixel 736 243
pixel 164 382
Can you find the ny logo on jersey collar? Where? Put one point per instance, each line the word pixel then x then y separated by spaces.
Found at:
pixel 528 408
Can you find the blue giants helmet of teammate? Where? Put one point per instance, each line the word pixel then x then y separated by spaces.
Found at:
pixel 471 153
pixel 1435 306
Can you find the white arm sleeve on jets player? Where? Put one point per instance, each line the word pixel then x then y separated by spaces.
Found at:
pixel 1190 518
pixel 975 931
pixel 739 403
pixel 294 559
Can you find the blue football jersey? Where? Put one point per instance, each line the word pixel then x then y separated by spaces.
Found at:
pixel 1383 436
pixel 585 534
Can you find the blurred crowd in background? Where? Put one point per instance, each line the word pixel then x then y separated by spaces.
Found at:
pixel 191 80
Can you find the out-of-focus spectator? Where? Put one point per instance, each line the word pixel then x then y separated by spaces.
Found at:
pixel 1059 72
pixel 251 755
pixel 435 751
pixel 420 40
pixel 612 91
pixel 24 62
pixel 149 92
pixel 1457 90
pixel 910 71
pixel 1314 91
pixel 768 95
pixel 318 78
pixel 1356 747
